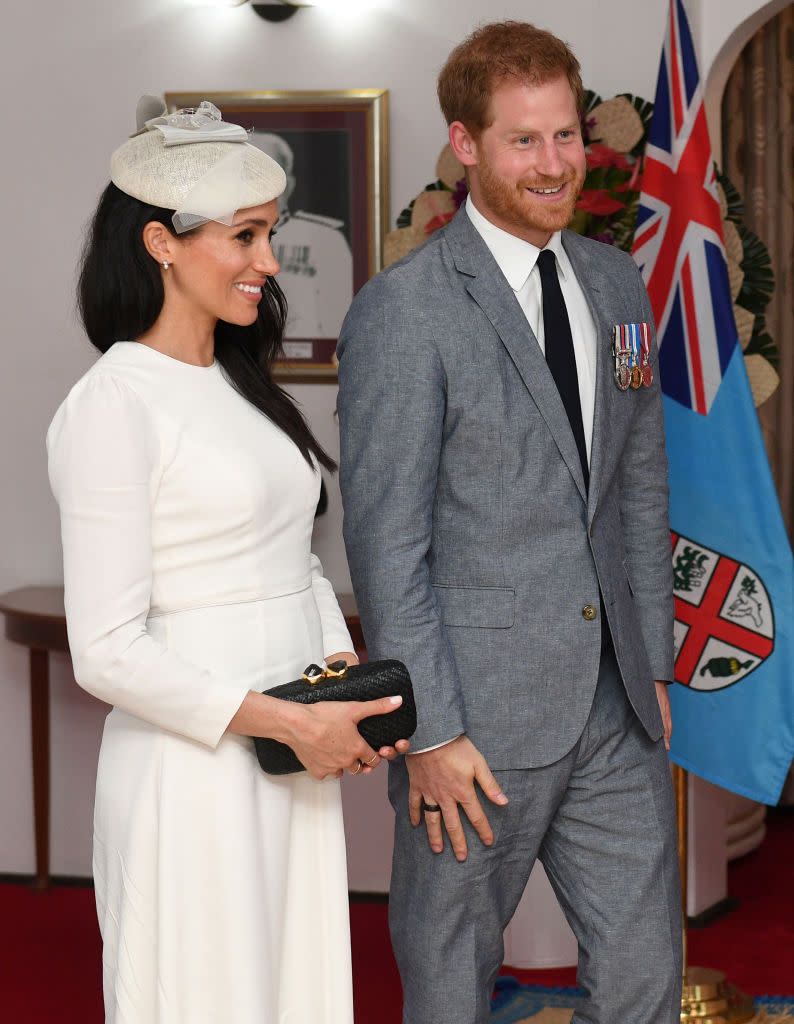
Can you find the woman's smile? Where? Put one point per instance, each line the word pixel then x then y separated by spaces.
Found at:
pixel 251 291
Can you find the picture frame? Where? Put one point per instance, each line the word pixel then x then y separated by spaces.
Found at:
pixel 333 145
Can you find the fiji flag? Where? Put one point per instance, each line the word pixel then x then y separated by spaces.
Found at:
pixel 733 707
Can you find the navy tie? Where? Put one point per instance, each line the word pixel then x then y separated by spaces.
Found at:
pixel 559 351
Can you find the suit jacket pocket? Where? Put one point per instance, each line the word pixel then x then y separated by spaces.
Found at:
pixel 478 607
pixel 628 578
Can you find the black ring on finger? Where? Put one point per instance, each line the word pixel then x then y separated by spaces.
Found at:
pixel 431 808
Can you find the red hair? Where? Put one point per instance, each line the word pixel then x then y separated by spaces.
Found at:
pixel 499 52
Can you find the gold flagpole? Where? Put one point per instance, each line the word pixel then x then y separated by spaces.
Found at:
pixel 681 783
pixel 707 997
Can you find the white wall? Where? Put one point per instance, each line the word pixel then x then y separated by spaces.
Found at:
pixel 70 75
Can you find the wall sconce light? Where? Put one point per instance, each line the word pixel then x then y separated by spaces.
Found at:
pixel 279 11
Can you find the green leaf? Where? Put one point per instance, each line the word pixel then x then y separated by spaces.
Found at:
pixel 762 344
pixel 580 223
pixel 595 178
pixel 404 220
pixel 624 225
pixel 615 177
pixel 759 279
pixel 591 101
pixel 733 196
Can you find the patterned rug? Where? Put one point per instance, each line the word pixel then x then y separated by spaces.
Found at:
pixel 515 1003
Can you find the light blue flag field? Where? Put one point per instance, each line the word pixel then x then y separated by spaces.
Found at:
pixel 733 702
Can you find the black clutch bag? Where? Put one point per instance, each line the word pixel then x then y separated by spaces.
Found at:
pixel 371 681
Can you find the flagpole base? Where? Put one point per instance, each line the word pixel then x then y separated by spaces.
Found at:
pixel 708 998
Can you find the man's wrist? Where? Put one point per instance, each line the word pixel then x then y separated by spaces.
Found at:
pixel 436 746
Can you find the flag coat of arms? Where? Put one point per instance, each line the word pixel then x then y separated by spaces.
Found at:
pixel 733 702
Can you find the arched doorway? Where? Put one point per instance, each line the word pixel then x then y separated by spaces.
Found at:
pixel 758 157
pixel 757 154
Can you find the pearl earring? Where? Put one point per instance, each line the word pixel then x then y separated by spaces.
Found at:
pixel 166 264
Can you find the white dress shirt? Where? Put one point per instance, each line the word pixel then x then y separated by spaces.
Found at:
pixel 517 260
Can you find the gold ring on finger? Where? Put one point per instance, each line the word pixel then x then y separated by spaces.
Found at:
pixel 357 769
pixel 372 761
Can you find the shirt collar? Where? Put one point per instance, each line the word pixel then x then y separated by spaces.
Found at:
pixel 515 257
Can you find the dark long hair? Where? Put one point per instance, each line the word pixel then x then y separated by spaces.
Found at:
pixel 120 295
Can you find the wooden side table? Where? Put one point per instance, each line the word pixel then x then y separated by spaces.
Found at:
pixel 35 618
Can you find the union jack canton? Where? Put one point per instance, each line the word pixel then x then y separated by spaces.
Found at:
pixel 678 242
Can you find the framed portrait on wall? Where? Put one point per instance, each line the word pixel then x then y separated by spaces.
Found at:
pixel 333 147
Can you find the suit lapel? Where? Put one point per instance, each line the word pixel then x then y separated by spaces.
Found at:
pixel 489 289
pixel 596 293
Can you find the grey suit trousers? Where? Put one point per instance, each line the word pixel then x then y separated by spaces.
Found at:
pixel 602 822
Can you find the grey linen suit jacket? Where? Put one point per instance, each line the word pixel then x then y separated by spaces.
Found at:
pixel 473 544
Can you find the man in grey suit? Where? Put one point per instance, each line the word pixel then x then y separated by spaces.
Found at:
pixel 504 483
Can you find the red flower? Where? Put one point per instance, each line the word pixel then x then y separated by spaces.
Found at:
pixel 598 202
pixel 632 184
pixel 599 155
pixel 438 222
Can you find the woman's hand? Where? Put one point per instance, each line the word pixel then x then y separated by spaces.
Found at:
pixel 324 736
pixel 326 739
pixel 385 753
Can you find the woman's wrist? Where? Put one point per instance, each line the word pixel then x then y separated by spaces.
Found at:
pixel 269 717
pixel 349 657
pixel 287 720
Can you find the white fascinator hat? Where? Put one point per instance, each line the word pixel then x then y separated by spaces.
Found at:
pixel 195 163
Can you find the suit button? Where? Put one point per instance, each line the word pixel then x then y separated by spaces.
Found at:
pixel 589 613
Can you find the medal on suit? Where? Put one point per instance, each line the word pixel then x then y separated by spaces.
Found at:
pixel 647 369
pixel 631 348
pixel 621 350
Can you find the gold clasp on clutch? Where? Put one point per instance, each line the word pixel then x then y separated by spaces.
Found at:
pixel 314 674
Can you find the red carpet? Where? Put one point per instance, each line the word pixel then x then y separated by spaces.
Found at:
pixel 50 962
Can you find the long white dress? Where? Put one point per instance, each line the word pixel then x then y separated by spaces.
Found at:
pixel 186 522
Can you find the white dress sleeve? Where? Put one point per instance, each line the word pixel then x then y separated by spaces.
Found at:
pixel 104 465
pixel 336 637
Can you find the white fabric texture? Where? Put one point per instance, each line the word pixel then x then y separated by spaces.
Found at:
pixel 517 260
pixel 201 180
pixel 203 123
pixel 186 523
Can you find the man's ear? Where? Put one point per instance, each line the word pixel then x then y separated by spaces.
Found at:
pixel 463 144
pixel 159 242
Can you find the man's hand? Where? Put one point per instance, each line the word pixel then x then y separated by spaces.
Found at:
pixel 446 777
pixel 663 696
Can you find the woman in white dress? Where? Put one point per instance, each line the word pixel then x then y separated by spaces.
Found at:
pixel 187 483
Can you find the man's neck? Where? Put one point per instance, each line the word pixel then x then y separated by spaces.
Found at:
pixel 535 236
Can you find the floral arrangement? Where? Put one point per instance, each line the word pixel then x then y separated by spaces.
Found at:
pixel 615 133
